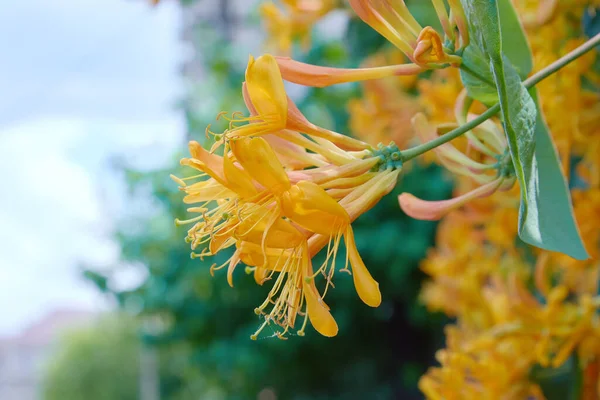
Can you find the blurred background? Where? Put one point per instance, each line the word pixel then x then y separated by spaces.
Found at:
pixel 98 295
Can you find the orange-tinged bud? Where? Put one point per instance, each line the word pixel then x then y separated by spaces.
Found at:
pixel 317 76
pixel 435 210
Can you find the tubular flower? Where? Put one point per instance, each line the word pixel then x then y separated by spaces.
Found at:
pixel 423 46
pixel 493 172
pixel 292 21
pixel 278 197
pixel 274 113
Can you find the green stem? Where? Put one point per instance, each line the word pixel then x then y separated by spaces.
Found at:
pixel 533 80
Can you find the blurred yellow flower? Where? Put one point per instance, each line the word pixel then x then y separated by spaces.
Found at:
pixel 291 21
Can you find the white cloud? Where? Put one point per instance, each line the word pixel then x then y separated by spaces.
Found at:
pixel 82 81
pixel 52 213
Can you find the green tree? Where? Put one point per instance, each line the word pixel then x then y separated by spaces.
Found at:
pixel 96 363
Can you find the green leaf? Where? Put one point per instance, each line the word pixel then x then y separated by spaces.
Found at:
pixel 519 115
pixel 562 383
pixel 519 52
pixel 550 223
pixel 517 107
pixel 476 73
pixel 477 77
pixel 545 215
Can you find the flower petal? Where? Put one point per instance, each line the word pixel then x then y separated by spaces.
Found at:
pixel 265 87
pixel 237 179
pixel 309 205
pixel 318 312
pixel 366 287
pixel 317 76
pixel 261 163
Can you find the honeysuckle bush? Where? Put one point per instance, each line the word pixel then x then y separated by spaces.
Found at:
pixel 515 264
pixel 209 323
pixel 279 189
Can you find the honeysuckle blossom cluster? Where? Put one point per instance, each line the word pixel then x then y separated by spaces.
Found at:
pixel 278 197
pixel 278 189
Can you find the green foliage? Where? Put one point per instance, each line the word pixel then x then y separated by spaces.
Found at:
pixel 477 76
pixel 98 363
pixel 551 224
pixel 562 383
pixel 362 39
pixel 517 48
pixel 546 216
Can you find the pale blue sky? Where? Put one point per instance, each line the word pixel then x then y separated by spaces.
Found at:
pixel 81 81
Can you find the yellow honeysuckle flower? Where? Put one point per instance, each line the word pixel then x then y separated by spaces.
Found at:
pixel 278 217
pixel 308 205
pixel 273 112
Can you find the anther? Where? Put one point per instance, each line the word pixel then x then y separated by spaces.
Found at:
pixel 177 180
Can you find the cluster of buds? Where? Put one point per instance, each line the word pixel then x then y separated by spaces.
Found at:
pixel 486 162
pixel 282 190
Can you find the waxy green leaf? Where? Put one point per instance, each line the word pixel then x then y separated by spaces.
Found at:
pixel 546 215
pixel 550 223
pixel 517 49
pixel 477 76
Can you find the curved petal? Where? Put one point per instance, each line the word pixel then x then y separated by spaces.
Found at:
pixel 233 262
pixel 261 163
pixel 265 87
pixel 318 312
pixel 309 205
pixel 366 287
pixel 237 179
